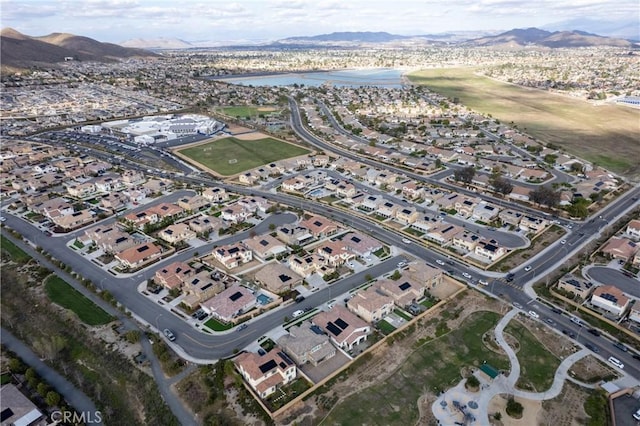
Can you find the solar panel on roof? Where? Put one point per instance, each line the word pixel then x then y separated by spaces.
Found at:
pixel 284 278
pixel 143 248
pixel 341 323
pixel 268 366
pixel 235 296
pixel 404 286
pixel 355 239
pixel 334 329
pixel 285 357
pixel 264 243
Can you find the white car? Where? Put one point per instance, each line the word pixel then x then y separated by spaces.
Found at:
pixel 406 241
pixel 297 313
pixel 527 268
pixel 169 334
pixel 402 264
pixel 466 275
pixel 563 242
pixel 440 262
pixel 616 362
pixel 483 282
pixel 2 218
pixel 534 314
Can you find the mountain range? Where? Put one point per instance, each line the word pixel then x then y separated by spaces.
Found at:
pixel 19 51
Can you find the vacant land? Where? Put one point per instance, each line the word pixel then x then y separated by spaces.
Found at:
pixel 537 365
pixel 68 297
pixel 433 367
pixel 246 111
pixel 230 156
pixel 607 135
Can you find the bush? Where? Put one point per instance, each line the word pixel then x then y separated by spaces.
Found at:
pixel 472 383
pixel 514 408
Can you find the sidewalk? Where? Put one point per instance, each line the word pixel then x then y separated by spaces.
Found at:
pixel 454 404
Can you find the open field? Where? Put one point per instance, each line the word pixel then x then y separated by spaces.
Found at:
pixel 230 156
pixel 537 365
pixel 606 135
pixel 432 367
pixel 66 296
pixel 246 111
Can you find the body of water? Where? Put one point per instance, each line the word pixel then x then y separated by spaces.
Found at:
pixel 379 77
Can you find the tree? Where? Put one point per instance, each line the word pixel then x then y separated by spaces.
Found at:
pixel 52 399
pixel 272 227
pixel 16 366
pixel 42 388
pixel 502 185
pixel 438 163
pixel 514 408
pixel 545 195
pixel 464 175
pixel 132 336
pixel 472 382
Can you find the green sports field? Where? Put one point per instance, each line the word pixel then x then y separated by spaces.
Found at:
pixel 230 156
pixel 243 111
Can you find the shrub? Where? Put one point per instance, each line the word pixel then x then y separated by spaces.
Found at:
pixel 514 408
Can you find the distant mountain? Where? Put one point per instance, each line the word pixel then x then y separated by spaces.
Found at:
pixel 536 36
pixel 20 51
pixel 628 29
pixel 350 37
pixel 157 43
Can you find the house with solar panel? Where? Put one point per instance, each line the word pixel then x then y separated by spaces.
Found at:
pixel 611 299
pixel 306 343
pixel 277 278
pixel 266 373
pixel 230 303
pixel 343 327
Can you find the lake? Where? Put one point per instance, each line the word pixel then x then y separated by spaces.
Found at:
pixel 379 77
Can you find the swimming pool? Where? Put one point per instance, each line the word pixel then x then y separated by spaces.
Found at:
pixel 316 193
pixel 263 299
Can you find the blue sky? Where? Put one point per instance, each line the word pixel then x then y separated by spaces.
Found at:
pixel 215 20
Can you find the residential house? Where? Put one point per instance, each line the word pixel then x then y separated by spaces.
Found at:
pixel 345 190
pixel 110 239
pixel 633 230
pixel 611 299
pixel 407 215
pixel 203 224
pixel 344 328
pixel 520 193
pixel 533 224
pixel 193 204
pixel 510 217
pixel 173 275
pixel 387 209
pixel 176 233
pixel 426 276
pixel 371 202
pixel 335 253
pixel 74 220
pixel 578 286
pixel 466 241
pixel 166 211
pixel 293 235
pixel 360 244
pixel 200 287
pixel 235 213
pixel 443 233
pixel 308 265
pixel 319 226
pixel 81 190
pixel 277 278
pixel 266 373
pixel 371 305
pixel 232 255
pixel 114 202
pixel 485 212
pixel 490 250
pixel 139 255
pixel 423 224
pixel 265 246
pixel 132 178
pixel 215 195
pixel 404 291
pixel 411 190
pixel 465 206
pixel 230 303
pixel 620 248
pixel 18 410
pixel 305 345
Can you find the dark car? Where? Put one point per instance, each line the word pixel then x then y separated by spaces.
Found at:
pixel 594 332
pixel 591 348
pixel 620 346
pixel 299 298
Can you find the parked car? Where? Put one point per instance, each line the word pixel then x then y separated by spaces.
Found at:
pixel 242 327
pixel 169 335
pixel 616 362
pixel 299 298
pixel 517 305
pixel 620 346
pixel 297 313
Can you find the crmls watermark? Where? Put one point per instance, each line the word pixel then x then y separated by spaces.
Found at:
pixel 73 417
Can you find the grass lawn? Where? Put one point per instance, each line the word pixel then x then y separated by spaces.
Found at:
pixel 607 135
pixel 216 325
pixel 5 378
pixel 15 252
pixel 433 366
pixel 385 327
pixel 68 297
pixel 402 314
pixel 537 365
pixel 243 154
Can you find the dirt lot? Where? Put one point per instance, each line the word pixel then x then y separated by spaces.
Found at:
pixel 591 370
pixel 385 361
